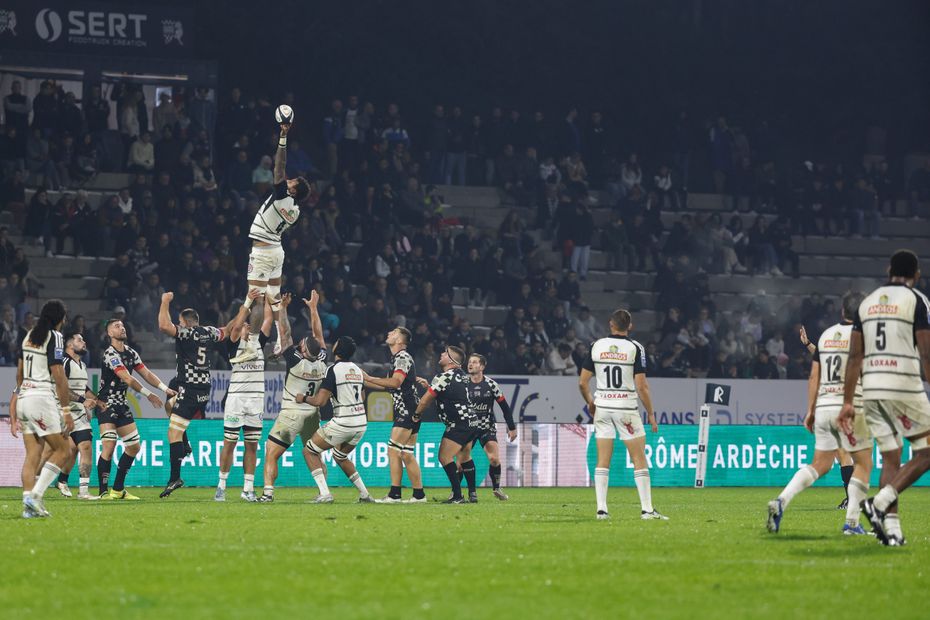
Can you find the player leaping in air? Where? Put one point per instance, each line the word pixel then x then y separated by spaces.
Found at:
pixel 278 212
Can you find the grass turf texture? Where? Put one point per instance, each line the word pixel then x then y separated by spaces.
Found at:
pixel 541 554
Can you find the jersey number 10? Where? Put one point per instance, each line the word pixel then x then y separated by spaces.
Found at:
pixel 613 377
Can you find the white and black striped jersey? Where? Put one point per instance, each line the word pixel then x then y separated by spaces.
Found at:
pixel 453 398
pixel 37 365
pixel 303 376
pixel 832 354
pixel 247 379
pixel 112 388
pixel 889 320
pixel 76 372
pixel 278 212
pixel 615 362
pixel 191 344
pixel 345 381
pixel 405 396
pixel 483 395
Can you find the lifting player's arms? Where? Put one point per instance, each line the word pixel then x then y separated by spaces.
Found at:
pixel 191 342
pixel 277 213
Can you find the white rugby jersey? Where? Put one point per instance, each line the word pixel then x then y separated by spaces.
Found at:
pixel 76 372
pixel 247 379
pixel 615 361
pixel 37 365
pixel 889 320
pixel 832 354
pixel 303 377
pixel 278 212
pixel 345 381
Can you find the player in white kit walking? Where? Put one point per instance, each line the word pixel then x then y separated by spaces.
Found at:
pixel 278 212
pixel 244 404
pixel 890 344
pixel 825 399
pixel 618 363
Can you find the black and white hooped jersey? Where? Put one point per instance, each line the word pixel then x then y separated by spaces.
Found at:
pixel 345 382
pixel 483 395
pixel 303 377
pixel 38 361
pixel 191 344
pixel 832 354
pixel 278 212
pixel 615 362
pixel 112 388
pixel 405 396
pixel 452 396
pixel 247 379
pixel 76 372
pixel 889 320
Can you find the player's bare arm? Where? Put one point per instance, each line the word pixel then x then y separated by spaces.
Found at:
pixel 241 315
pixel 642 389
pixel 284 323
pixel 316 324
pixel 317 400
pixel 853 371
pixel 280 156
pixel 14 420
pixel 813 386
pixel 425 402
pixel 165 324
pixel 811 347
pixel 390 383
pixel 584 387
pixel 133 383
pixel 267 318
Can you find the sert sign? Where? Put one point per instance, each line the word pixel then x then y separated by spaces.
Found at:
pixel 96 28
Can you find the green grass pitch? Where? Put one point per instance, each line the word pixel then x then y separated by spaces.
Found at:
pixel 540 555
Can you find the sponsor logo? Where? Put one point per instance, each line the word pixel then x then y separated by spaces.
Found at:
pixel 8 22
pixel 353 376
pixel 48 25
pixel 613 354
pixel 883 363
pixel 882 307
pixel 172 30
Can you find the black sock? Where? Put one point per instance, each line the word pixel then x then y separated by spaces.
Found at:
pixel 394 492
pixel 418 494
pixel 63 477
pixel 468 469
pixel 176 455
pixel 187 444
pixel 495 471
pixel 103 474
pixel 122 468
pixel 461 475
pixel 846 473
pixel 453 474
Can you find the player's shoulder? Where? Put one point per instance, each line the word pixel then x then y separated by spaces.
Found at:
pixel 491 382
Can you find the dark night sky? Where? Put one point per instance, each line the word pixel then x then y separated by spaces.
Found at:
pixel 821 67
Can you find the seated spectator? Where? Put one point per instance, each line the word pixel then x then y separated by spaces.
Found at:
pixel 119 283
pixel 560 362
pixel 142 154
pixel 263 176
pixel 585 326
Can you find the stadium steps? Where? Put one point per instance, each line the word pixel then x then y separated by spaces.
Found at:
pixel 881 248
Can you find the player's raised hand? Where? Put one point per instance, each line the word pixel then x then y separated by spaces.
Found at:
pixel 846 417
pixel 255 293
pixel 423 382
pixel 313 300
pixel 511 435
pixel 285 300
pixel 285 127
pixel 651 418
pixel 167 298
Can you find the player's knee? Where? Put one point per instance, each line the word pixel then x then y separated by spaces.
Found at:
pixel 313 448
pixel 274 296
pixel 252 436
pixel 230 434
pixel 339 456
pixel 494 461
pixel 393 445
pixel 108 437
pixel 177 423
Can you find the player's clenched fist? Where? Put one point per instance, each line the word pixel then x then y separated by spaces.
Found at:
pixel 166 298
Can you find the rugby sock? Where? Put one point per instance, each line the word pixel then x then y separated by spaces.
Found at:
pixel 802 479
pixel 319 476
pixel 453 475
pixel 601 477
pixel 893 525
pixel 495 471
pixel 268 490
pixel 846 473
pixel 176 453
pixel 63 477
pixel 222 483
pixel 356 479
pixel 84 482
pixel 468 469
pixel 122 468
pixel 394 493
pixel 103 473
pixel 644 486
pixel 248 483
pixel 187 444
pixel 858 491
pixel 885 498
pixel 49 472
pixel 418 494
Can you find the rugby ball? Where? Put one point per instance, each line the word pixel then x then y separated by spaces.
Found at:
pixel 284 114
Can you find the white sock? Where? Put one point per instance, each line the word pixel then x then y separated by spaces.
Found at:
pixel 893 525
pixel 356 479
pixel 248 483
pixel 83 484
pixel 320 478
pixel 268 490
pixel 26 494
pixel 886 497
pixel 802 479
pixel 644 486
pixel 46 476
pixel 601 478
pixel 223 477
pixel 858 491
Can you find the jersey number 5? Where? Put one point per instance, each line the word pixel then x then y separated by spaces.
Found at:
pixel 880 339
pixel 201 356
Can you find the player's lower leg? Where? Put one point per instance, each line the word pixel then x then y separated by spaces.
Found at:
pixel 605 449
pixel 176 453
pixel 857 490
pixel 846 472
pixel 230 437
pixel 131 449
pixel 348 468
pixel 396 465
pixel 409 457
pixel 885 524
pixel 637 450
pixel 316 446
pixel 84 471
pixel 468 469
pixel 448 450
pixel 273 452
pixel 249 460
pixel 108 438
pixel 886 499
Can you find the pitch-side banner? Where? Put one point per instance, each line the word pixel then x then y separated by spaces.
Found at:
pixel 544 455
pixel 542 399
